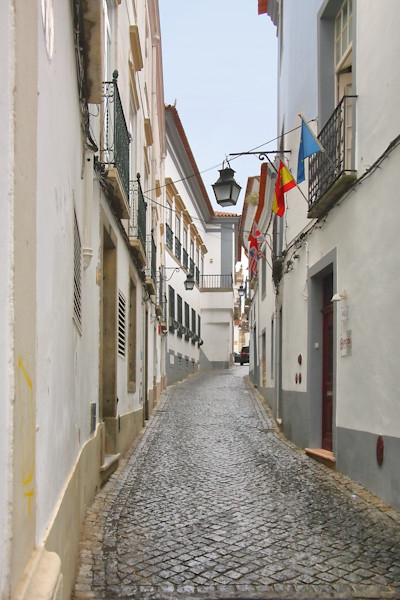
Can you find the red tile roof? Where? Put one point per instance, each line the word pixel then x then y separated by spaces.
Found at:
pixel 262 7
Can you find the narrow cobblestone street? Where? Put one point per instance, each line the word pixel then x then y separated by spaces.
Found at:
pixel 212 502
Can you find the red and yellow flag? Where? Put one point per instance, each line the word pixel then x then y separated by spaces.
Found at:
pixel 284 183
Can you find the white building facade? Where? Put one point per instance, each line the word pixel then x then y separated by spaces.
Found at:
pixel 324 318
pixel 81 358
pixel 203 243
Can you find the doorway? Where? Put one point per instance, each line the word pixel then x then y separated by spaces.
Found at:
pixel 108 343
pixel 327 363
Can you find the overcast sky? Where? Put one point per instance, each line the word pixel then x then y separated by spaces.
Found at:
pixel 219 59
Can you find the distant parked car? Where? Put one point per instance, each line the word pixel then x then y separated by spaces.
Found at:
pixel 236 356
pixel 244 355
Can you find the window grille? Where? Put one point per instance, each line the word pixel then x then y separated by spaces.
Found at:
pixel 187 316
pixel 180 321
pixel 77 315
pixel 171 297
pixel 169 237
pixel 121 325
pixel 132 338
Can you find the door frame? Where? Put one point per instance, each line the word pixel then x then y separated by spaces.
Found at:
pixel 316 273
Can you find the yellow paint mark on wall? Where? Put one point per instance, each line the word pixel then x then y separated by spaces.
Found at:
pixel 27 430
pixel 29 496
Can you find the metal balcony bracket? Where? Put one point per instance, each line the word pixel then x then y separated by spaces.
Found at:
pixel 345 181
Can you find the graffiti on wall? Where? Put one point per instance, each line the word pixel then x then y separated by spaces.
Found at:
pixel 27 431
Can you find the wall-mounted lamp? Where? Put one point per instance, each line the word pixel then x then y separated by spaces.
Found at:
pixel 243 290
pixel 174 270
pixel 189 282
pixel 338 297
pixel 226 190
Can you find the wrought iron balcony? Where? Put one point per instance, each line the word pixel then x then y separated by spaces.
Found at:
pixel 151 266
pixel 115 144
pixel 332 172
pixel 169 237
pixel 216 281
pixel 185 258
pixel 137 226
pixel 178 249
pixel 161 300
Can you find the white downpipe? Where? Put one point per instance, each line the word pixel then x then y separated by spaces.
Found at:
pixel 277 361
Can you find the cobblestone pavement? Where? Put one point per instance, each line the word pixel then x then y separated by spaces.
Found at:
pixel 212 502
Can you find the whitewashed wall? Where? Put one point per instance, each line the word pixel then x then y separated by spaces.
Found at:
pixel 6 253
pixel 66 360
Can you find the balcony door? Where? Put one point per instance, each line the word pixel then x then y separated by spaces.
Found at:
pixel 108 11
pixel 343 69
pixel 345 88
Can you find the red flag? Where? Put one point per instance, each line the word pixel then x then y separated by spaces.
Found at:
pixel 284 183
pixel 255 238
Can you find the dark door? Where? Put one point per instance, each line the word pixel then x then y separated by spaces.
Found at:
pixel 327 364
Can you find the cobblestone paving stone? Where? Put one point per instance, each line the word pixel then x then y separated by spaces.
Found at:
pixel 212 502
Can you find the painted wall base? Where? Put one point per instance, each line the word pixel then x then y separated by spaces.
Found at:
pixel 154 396
pixel 356 458
pixel 206 364
pixel 178 368
pixel 52 567
pixel 130 426
pixel 51 572
pixel 355 451
pixel 293 410
pixel 42 579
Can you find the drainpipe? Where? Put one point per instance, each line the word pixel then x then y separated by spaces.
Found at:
pixel 277 361
pixel 87 249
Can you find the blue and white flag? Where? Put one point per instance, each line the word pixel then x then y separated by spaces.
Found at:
pixel 308 145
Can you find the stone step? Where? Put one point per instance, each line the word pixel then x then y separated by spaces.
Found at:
pixel 323 456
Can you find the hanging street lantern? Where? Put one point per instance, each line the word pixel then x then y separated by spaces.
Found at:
pixel 226 189
pixel 189 282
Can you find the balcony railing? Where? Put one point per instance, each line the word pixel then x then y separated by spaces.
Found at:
pixel 151 266
pixel 332 172
pixel 137 226
pixel 216 281
pixel 178 249
pixel 185 258
pixel 161 300
pixel 169 237
pixel 116 137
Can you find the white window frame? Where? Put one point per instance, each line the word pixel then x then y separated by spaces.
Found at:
pixel 343 34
